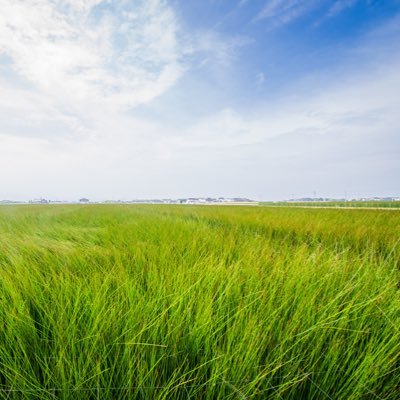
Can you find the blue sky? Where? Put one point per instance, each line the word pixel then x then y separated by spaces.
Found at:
pixel 266 99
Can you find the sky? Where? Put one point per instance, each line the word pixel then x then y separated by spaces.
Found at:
pixel 135 99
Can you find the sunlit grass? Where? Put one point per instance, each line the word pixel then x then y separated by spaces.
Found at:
pixel 179 302
pixel 337 204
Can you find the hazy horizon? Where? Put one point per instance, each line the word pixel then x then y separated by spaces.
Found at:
pixel 268 100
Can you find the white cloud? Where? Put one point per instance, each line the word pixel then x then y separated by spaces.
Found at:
pixel 72 66
pixel 339 6
pixel 112 59
pixel 71 72
pixel 361 103
pixel 212 48
pixel 284 11
pixel 343 137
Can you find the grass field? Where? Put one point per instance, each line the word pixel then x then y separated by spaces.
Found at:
pixel 336 204
pixel 179 302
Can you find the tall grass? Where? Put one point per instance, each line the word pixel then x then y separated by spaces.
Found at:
pixel 179 302
pixel 337 204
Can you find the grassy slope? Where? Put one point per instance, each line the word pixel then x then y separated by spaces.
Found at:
pixel 169 302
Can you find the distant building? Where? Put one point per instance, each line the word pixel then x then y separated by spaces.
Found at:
pixel 39 201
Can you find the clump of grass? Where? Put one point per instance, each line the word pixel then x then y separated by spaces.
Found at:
pixel 169 302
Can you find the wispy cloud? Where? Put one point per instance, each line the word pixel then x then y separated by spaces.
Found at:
pixel 86 60
pixel 284 11
pixel 339 6
pixel 210 47
pixel 77 51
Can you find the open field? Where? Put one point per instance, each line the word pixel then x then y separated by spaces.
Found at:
pixel 179 302
pixel 336 204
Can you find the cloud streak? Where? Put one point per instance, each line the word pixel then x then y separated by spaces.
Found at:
pixel 284 11
pixel 339 6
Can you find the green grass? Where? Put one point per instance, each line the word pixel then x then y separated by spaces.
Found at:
pixel 346 204
pixel 179 302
